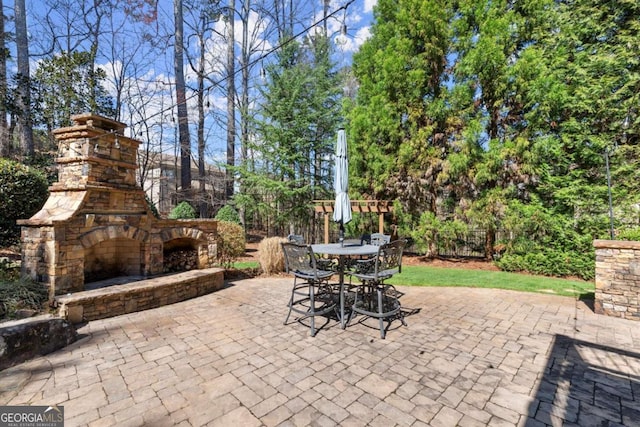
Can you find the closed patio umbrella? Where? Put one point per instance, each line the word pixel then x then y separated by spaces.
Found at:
pixel 342 208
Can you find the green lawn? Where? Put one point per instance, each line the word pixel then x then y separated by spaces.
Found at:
pixel 435 276
pixel 246 264
pixel 414 275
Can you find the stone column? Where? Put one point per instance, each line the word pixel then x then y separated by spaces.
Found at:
pixel 617 278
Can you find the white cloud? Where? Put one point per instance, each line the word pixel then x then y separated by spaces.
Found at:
pixel 368 5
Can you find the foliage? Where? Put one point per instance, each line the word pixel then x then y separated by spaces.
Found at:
pixel 550 262
pixel 498 115
pixel 21 294
pixel 9 270
pixel 494 114
pixel 152 207
pixel 23 191
pixel 183 211
pixel 632 234
pixel 44 161
pixel 296 124
pixel 425 235
pixel 450 234
pixel 270 255
pixel 397 123
pixel 231 243
pixel 542 243
pixel 229 214
pixel 67 84
pixel 593 55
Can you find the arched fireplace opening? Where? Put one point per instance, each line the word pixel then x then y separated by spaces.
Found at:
pixel 112 258
pixel 180 255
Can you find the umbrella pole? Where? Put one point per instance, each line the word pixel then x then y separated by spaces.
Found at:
pixel 341 237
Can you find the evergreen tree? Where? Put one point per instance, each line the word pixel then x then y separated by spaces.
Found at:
pixel 61 89
pixel 499 113
pixel 296 128
pixel 496 61
pixel 594 53
pixel 401 121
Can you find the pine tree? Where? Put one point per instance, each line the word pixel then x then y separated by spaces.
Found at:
pixel 296 128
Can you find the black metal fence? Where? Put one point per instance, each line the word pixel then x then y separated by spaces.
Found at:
pixel 471 244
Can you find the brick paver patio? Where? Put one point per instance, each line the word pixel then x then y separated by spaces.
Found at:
pixel 468 357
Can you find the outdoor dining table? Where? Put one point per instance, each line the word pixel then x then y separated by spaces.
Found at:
pixel 344 251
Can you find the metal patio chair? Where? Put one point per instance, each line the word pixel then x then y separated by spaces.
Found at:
pixel 364 265
pixel 373 297
pixel 380 239
pixel 312 295
pixel 296 238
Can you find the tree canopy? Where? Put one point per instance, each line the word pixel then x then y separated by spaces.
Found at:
pixel 499 114
pixel 297 122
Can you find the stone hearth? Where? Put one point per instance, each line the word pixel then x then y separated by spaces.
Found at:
pixel 96 223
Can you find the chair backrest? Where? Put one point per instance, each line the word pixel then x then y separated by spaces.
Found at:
pixel 379 239
pixel 389 259
pixel 298 258
pixel 296 238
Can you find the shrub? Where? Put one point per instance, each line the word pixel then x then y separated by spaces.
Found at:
pixel 23 191
pixel 270 255
pixel 550 263
pixel 632 234
pixel 544 243
pixel 425 233
pixel 231 243
pixel 9 271
pixel 183 211
pixel 21 294
pixel 229 214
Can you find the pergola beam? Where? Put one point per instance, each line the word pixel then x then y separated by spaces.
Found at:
pixel 358 206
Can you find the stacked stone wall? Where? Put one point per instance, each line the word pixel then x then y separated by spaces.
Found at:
pixel 138 296
pixel 617 278
pixel 22 340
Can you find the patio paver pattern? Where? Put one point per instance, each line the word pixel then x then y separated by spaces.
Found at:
pixel 468 357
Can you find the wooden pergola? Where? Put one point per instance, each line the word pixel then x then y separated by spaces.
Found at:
pixel 380 207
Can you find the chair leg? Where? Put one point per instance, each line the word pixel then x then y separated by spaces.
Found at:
pixel 312 307
pixel 400 314
pixel 380 311
pixel 290 302
pixel 311 298
pixel 353 306
pixel 288 314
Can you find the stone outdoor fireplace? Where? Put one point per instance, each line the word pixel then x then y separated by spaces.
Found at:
pixel 96 224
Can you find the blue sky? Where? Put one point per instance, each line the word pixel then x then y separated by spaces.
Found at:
pixel 148 86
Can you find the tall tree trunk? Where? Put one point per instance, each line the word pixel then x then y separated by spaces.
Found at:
pixel 489 243
pixel 231 93
pixel 245 57
pixel 181 99
pixel 201 144
pixel 24 80
pixel 94 34
pixel 5 141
